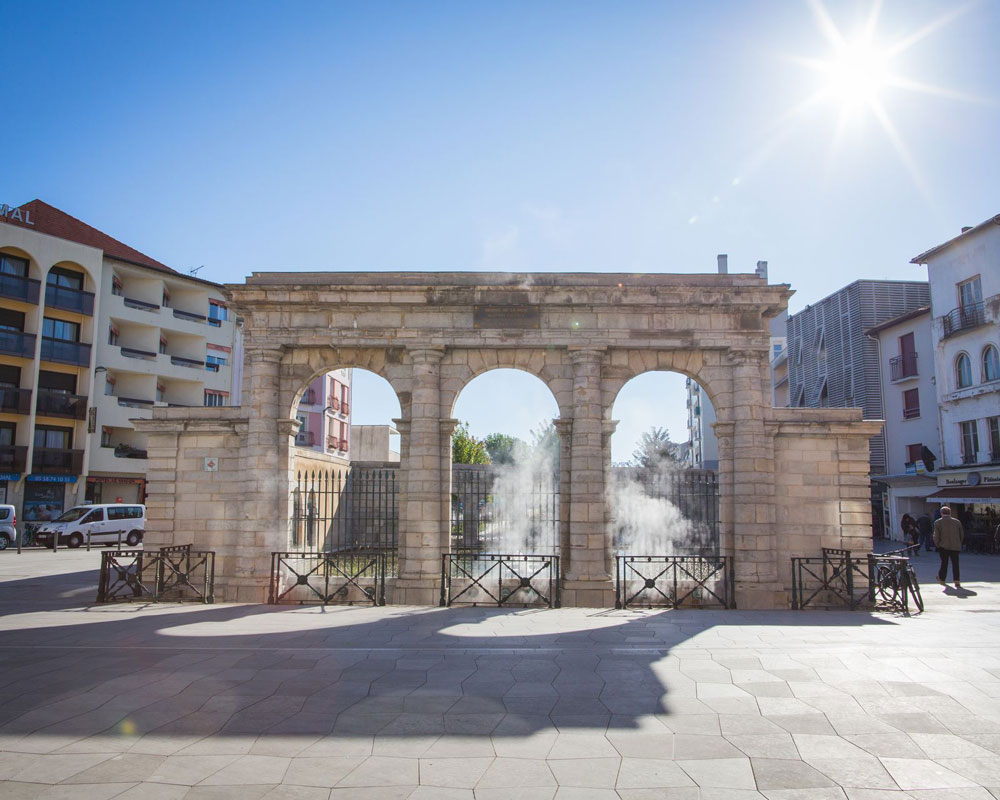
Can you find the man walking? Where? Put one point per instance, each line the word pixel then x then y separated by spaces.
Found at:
pixel 948 537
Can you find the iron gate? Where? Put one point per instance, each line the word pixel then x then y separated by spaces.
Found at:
pixel 347 510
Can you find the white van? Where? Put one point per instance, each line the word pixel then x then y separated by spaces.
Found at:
pixel 102 522
pixel 8 533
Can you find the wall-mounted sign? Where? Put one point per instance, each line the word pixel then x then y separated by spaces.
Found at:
pixel 211 464
pixel 52 478
pixel 15 213
pixel 519 316
pixel 10 476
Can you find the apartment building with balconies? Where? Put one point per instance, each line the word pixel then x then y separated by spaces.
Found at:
pixel 324 414
pixel 94 334
pixel 964 276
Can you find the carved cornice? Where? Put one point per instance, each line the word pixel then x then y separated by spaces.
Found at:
pixel 426 355
pixel 586 355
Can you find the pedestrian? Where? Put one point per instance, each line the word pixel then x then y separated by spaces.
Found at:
pixel 948 537
pixel 909 525
pixel 924 529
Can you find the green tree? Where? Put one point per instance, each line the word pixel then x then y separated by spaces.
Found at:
pixel 503 449
pixel 545 439
pixel 466 448
pixel 654 448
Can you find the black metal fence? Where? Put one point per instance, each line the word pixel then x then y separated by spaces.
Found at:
pixel 641 523
pixel 493 579
pixel 347 509
pixel 498 509
pixel 344 577
pixel 674 581
pixel 176 574
pixel 836 579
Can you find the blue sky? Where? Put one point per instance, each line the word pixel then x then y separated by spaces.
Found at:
pixel 638 136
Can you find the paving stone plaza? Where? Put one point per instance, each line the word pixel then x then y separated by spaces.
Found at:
pixel 305 703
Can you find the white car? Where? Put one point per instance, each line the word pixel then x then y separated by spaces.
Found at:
pixel 8 533
pixel 101 522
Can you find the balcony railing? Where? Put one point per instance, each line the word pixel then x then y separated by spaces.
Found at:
pixel 141 305
pixel 46 459
pixel 970 458
pixel 15 401
pixel 964 317
pixel 131 352
pixel 189 315
pixel 53 403
pixel 14 287
pixel 332 443
pixel 305 438
pixel 17 343
pixel 13 458
pixel 911 412
pixel 343 445
pixel 64 352
pixel 192 363
pixel 333 402
pixel 904 366
pixel 135 402
pixel 127 451
pixel 309 397
pixel 211 366
pixel 345 408
pixel 69 299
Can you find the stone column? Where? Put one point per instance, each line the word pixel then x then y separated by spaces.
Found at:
pixel 588 578
pixel 564 427
pixel 754 544
pixel 447 428
pixel 421 527
pixel 266 473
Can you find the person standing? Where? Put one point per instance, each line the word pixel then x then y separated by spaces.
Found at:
pixel 925 529
pixel 948 537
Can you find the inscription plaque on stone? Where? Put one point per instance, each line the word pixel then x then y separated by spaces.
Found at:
pixel 494 316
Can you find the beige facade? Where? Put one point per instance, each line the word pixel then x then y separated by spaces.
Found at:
pixel 792 480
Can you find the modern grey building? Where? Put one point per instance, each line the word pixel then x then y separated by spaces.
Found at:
pixel 832 363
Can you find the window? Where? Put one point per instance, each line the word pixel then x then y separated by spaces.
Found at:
pixel 7 431
pixel 824 396
pixel 117 512
pixel 776 350
pixel 216 398
pixel 970 292
pixel 53 438
pixel 105 436
pixel 60 330
pixel 993 426
pixel 112 335
pixel 911 404
pixel 963 371
pixel 970 441
pixel 11 320
pixel 97 515
pixel 991 364
pixel 217 361
pixel 217 312
pixel 64 382
pixel 913 452
pixel 12 265
pixel 65 278
pixel 163 345
pixel 160 392
pixel 116 285
pixel 10 376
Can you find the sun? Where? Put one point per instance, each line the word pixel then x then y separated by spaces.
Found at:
pixel 857 73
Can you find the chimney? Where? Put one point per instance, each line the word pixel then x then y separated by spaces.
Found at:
pixel 761 270
pixel 723 264
pixel 966 228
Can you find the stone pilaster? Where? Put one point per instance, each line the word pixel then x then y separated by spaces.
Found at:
pixel 751 449
pixel 564 427
pixel 588 577
pixel 421 526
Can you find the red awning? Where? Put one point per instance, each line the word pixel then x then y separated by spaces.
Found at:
pixel 967 494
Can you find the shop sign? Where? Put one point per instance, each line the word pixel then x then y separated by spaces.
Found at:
pixel 52 478
pixel 115 479
pixel 10 476
pixel 13 212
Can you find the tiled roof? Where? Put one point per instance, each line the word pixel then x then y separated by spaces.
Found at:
pixel 50 220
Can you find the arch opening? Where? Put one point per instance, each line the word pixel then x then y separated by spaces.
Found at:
pixel 663 487
pixel 506 467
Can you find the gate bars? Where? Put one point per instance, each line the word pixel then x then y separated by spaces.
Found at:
pixel 502 580
pixel 347 576
pixel 674 581
pixel 171 573
pixel 831 580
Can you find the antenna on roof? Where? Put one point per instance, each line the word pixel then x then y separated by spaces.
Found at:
pixel 195 270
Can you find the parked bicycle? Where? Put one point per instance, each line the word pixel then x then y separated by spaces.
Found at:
pixel 895 583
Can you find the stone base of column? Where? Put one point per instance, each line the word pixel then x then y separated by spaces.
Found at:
pixel 416 592
pixel 761 596
pixel 240 590
pixel 599 593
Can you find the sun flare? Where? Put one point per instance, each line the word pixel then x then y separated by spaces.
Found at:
pixel 857 73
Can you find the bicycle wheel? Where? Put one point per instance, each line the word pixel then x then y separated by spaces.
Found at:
pixel 918 601
pixel 885 584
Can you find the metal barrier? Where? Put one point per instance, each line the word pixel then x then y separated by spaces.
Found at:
pixel 341 577
pixel 674 581
pixel 175 574
pixel 830 581
pixel 496 579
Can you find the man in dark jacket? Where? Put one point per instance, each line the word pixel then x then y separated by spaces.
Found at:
pixel 924 526
pixel 948 537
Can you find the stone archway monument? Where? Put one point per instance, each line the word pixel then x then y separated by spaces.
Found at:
pixel 791 480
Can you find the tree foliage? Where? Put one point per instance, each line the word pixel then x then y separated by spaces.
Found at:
pixel 504 449
pixel 654 448
pixel 466 448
